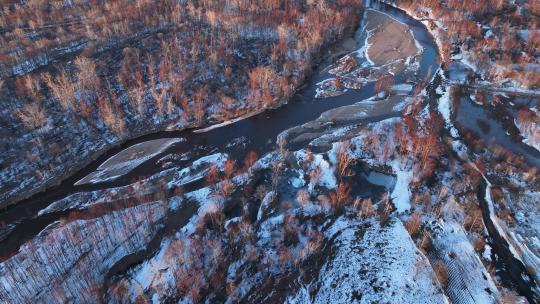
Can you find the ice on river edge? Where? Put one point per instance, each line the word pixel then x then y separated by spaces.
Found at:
pixel 127 160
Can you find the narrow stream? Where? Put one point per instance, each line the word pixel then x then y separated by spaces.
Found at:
pixel 512 270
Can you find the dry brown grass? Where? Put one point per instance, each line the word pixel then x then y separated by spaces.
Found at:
pixel 340 197
pixel 226 188
pixel 473 219
pixel 367 209
pixel 111 114
pixel 303 197
pixel 62 89
pixel 426 243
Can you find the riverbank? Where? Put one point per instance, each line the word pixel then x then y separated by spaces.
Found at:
pixel 474 51
pixel 398 96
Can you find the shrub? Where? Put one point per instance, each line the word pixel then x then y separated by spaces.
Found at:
pixel 86 76
pixel 413 224
pixel 276 174
pixel 441 271
pixel 367 208
pixel 341 196
pixel 344 160
pixel 226 188
pixel 479 244
pixel 426 244
pixel 250 160
pixel 473 219
pixel 62 89
pixel 384 83
pixel 229 168
pixel 264 83
pixel 212 176
pixel 200 103
pixel 290 231
pixel 303 197
pixel 32 116
pixel 111 114
pixel 384 210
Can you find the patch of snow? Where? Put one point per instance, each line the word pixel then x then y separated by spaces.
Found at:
pixel 76 256
pixel 327 177
pixel 487 253
pixel 459 148
pixel 265 204
pixel 401 195
pixel 404 88
pixel 228 122
pixel 445 108
pixel 197 170
pixel 298 181
pixel 530 133
pixel 381 179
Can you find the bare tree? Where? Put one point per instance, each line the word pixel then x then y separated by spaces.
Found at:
pixel 199 109
pixel 62 89
pixel 344 160
pixel 32 116
pixel 86 75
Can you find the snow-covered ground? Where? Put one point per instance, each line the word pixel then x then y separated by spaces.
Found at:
pixel 469 281
pixel 493 74
pixel 525 205
pixel 370 264
pixel 175 177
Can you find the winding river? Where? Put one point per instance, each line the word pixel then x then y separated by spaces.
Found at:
pixel 257 133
